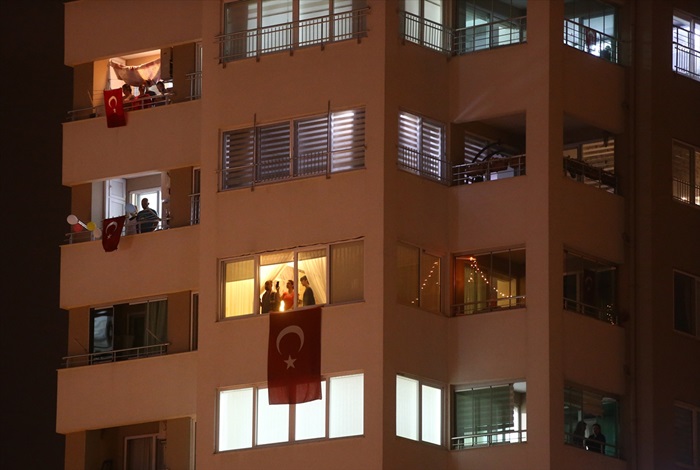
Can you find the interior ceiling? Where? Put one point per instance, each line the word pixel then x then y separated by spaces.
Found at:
pixel 574 129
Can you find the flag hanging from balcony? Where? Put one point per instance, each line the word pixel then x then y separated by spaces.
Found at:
pixel 112 232
pixel 294 356
pixel 114 108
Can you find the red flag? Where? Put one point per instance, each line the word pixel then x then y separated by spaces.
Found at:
pixel 112 232
pixel 114 108
pixel 294 356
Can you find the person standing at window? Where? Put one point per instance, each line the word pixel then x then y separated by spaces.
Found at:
pixel 288 297
pixel 308 298
pixel 268 301
pixel 147 218
pixel 596 441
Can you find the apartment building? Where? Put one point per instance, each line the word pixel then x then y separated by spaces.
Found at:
pixel 495 202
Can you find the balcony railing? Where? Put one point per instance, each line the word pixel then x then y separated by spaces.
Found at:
pixel 423 164
pixel 589 174
pixel 592 41
pixel 116 355
pixel 490 305
pixel 606 314
pixel 685 192
pixel 488 439
pixel 295 35
pixel 488 170
pixel 686 60
pixel 463 40
pixel 490 35
pixel 611 450
pixel 131 227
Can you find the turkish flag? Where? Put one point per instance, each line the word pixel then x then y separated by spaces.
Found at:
pixel 294 356
pixel 112 232
pixel 114 108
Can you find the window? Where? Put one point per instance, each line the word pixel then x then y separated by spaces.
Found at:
pixel 592 163
pixel 590 287
pixel 141 452
pixel 686 173
pixel 582 410
pixel 487 160
pixel 686 44
pixel 246 419
pixel 418 410
pixel 418 278
pixel 128 330
pixel 422 147
pixel 254 27
pixel 484 25
pixel 489 415
pixel 591 26
pixel 489 281
pixel 194 196
pixel 338 265
pixel 423 23
pixel 686 303
pixel 686 435
pixel 318 145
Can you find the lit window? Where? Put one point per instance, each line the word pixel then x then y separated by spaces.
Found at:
pixel 260 283
pixel 686 44
pixel 422 147
pixel 485 416
pixel 489 281
pixel 591 26
pixel 418 410
pixel 486 25
pixel 329 143
pixel 686 173
pixel 423 23
pixel 254 27
pixel 246 419
pixel 418 278
pixel 686 435
pixel 686 303
pixel 590 287
pixel 583 411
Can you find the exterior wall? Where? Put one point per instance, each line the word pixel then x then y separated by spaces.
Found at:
pixel 105 394
pixel 565 97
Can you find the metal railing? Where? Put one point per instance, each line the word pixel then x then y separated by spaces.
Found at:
pixel 610 450
pixel 131 227
pixel 424 165
pixel 685 192
pixel 284 167
pixel 116 355
pixel 591 41
pixel 488 170
pixel 425 32
pixel 195 209
pixel 195 81
pixel 135 105
pixel 606 313
pixel 686 61
pixel 488 439
pixel 589 174
pixel 490 305
pixel 335 27
pixel 490 35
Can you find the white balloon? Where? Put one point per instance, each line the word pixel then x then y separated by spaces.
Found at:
pixel 97 233
pixel 72 219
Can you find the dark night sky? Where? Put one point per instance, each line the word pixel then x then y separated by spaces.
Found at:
pixel 37 95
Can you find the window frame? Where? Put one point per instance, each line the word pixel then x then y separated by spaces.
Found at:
pixel 689 48
pixel 694 297
pixel 418 129
pixel 694 434
pixel 259 283
pixel 267 153
pixel 520 427
pixel 609 314
pixel 516 301
pixel 256 389
pixel 679 193
pixel 587 397
pixel 419 417
pixel 421 300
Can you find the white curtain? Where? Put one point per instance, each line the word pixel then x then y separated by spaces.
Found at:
pixel 135 75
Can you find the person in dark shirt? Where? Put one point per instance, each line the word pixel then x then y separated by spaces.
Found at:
pixel 268 301
pixel 147 218
pixel 596 440
pixel 308 292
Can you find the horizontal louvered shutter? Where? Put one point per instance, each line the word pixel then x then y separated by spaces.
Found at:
pixel 238 153
pixel 273 152
pixel 347 140
pixel 311 146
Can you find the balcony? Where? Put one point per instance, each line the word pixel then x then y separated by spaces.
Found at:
pixel 318 31
pixel 115 355
pixel 591 41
